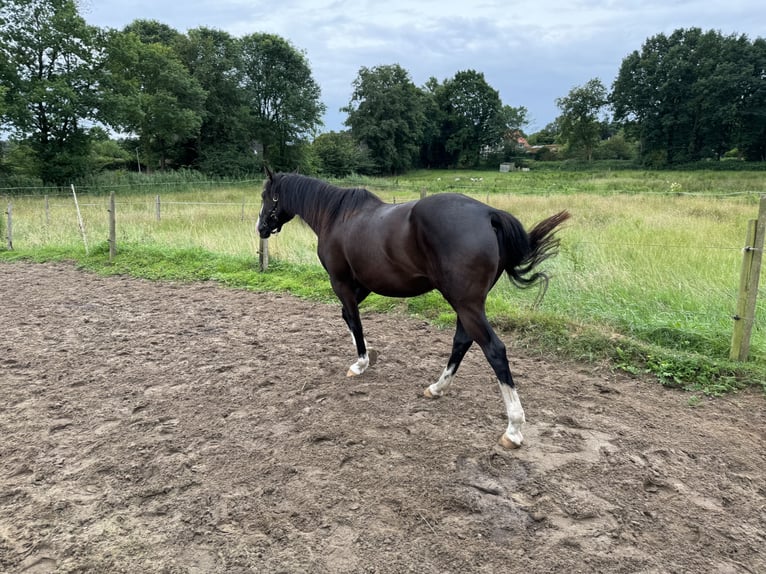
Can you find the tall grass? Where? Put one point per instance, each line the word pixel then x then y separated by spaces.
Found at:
pixel 649 257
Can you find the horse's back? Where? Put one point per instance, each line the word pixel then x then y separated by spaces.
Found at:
pixel 450 221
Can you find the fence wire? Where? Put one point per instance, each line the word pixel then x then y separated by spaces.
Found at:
pixel 246 211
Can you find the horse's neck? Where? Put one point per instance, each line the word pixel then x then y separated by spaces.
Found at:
pixel 319 208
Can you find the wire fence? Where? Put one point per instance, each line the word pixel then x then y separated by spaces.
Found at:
pixel 36 220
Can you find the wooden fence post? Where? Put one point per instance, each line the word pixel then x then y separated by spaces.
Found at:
pixel 157 207
pixel 112 228
pixel 263 255
pixel 748 285
pixel 9 227
pixel 423 192
pixel 80 221
pixel 47 211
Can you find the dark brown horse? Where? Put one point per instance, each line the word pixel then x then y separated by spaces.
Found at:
pixel 448 242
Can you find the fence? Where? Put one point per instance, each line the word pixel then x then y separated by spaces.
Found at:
pixel 156 213
pixel 748 288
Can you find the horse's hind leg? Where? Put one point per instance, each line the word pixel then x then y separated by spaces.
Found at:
pixel 460 345
pixel 477 326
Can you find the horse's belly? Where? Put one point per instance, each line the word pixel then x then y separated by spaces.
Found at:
pixel 392 282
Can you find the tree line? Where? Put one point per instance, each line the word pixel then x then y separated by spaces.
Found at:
pixel 223 105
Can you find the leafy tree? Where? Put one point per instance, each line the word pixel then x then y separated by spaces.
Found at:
pixel 223 145
pixel 752 110
pixel 514 119
pixel 339 155
pixel 149 92
pixel 385 114
pixel 154 32
pixel 48 71
pixel 615 146
pixel 691 95
pixel 546 136
pixel 473 117
pixel 432 148
pixel 106 153
pixel 3 94
pixel 580 120
pixel 283 98
pixel 508 149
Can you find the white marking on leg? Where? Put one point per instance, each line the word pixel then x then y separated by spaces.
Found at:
pixel 362 362
pixel 445 380
pixel 515 414
pixel 360 366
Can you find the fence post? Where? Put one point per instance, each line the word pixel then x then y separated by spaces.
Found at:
pixel 157 207
pixel 748 285
pixel 47 211
pixel 9 227
pixel 80 221
pixel 423 192
pixel 263 259
pixel 112 228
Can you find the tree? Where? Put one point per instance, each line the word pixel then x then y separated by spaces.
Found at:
pixel 3 94
pixel 339 155
pixel 546 136
pixel 432 147
pixel 473 117
pixel 223 145
pixel 752 111
pixel 385 115
pixel 154 32
pixel 150 93
pixel 514 119
pixel 691 95
pixel 580 120
pixel 49 72
pixel 283 98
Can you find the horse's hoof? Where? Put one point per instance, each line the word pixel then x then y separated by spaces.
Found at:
pixel 351 373
pixel 429 395
pixel 507 443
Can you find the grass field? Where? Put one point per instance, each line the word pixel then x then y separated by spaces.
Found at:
pixel 647 276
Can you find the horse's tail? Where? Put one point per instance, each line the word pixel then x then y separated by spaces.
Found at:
pixel 525 251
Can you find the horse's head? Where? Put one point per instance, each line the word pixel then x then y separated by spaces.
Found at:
pixel 273 214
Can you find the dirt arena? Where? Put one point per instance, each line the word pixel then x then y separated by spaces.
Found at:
pixel 188 428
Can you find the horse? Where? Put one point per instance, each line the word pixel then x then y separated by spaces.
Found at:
pixel 446 241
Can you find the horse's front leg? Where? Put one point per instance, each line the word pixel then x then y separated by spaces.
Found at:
pixel 350 297
pixel 364 357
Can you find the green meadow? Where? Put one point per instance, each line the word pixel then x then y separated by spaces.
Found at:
pixel 646 279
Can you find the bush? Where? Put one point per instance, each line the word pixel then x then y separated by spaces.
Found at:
pixel 338 155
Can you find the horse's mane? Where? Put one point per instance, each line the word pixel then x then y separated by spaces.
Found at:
pixel 313 196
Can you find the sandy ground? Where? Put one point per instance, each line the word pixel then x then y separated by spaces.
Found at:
pixel 160 427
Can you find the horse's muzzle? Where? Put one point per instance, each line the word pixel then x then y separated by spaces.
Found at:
pixel 263 228
pixel 266 231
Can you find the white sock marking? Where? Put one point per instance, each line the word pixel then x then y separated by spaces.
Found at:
pixel 445 380
pixel 361 365
pixel 515 414
pixel 363 362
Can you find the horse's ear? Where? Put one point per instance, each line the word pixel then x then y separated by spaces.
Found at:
pixel 268 172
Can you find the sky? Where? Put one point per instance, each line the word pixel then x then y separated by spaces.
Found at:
pixel 532 52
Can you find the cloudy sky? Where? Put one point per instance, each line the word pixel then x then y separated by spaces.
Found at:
pixel 532 52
